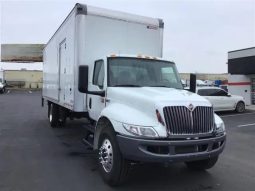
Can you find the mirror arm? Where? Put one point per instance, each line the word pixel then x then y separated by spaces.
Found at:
pixel 99 93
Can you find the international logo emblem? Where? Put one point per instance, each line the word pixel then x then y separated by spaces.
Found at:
pixel 191 107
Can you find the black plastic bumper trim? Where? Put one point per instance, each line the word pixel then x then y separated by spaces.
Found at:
pixel 136 149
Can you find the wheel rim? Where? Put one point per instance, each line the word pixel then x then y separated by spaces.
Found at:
pixel 106 155
pixel 241 107
pixel 50 114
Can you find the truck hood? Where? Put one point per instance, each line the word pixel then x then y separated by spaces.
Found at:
pixel 148 99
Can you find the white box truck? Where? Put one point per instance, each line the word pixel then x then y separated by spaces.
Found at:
pixel 107 66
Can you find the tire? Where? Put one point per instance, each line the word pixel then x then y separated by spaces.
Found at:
pixel 53 115
pixel 240 107
pixel 62 116
pixel 202 164
pixel 117 170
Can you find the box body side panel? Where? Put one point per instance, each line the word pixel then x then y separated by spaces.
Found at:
pixel 59 64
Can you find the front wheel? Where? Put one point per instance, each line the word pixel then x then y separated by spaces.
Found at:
pixel 240 107
pixel 112 166
pixel 202 164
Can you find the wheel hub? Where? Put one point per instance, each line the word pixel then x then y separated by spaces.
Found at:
pixel 106 155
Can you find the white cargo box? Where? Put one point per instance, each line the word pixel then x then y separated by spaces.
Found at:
pixel 89 34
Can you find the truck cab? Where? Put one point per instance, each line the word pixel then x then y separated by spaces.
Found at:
pixel 143 114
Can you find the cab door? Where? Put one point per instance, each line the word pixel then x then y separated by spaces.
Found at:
pixel 96 103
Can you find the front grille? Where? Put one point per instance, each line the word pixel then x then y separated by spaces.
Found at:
pixel 181 121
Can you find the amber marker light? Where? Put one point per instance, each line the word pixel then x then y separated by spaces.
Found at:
pixel 160 119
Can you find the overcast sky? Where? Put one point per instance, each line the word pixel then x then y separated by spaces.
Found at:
pixel 198 33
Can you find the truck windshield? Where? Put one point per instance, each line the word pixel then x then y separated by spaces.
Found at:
pixel 136 72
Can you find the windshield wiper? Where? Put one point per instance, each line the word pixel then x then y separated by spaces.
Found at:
pixel 126 85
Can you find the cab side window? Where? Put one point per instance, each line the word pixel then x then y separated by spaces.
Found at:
pixel 98 76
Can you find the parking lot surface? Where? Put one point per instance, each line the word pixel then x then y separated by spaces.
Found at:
pixel 36 157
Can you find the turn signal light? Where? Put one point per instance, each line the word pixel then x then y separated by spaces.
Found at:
pixel 160 119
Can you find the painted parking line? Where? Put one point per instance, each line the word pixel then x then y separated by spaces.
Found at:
pixel 237 114
pixel 245 125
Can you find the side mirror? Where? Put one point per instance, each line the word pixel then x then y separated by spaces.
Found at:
pixel 83 79
pixel 229 95
pixel 83 82
pixel 193 83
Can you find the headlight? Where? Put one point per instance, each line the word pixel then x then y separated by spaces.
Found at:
pixel 220 128
pixel 1 85
pixel 140 130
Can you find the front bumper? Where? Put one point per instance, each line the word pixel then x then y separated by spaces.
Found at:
pixel 148 150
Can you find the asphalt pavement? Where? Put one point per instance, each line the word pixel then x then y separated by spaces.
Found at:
pixel 36 157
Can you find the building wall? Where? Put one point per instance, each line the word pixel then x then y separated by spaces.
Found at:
pixel 241 69
pixel 24 79
pixel 240 85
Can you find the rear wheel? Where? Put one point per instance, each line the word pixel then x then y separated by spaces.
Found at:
pixel 62 116
pixel 240 107
pixel 53 115
pixel 202 164
pixel 112 166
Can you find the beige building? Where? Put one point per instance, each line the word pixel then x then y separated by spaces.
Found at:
pixel 22 65
pixel 212 77
pixel 22 52
pixel 28 79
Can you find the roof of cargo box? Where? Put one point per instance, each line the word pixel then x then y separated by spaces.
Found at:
pixel 107 13
pixel 90 10
pixel 140 56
